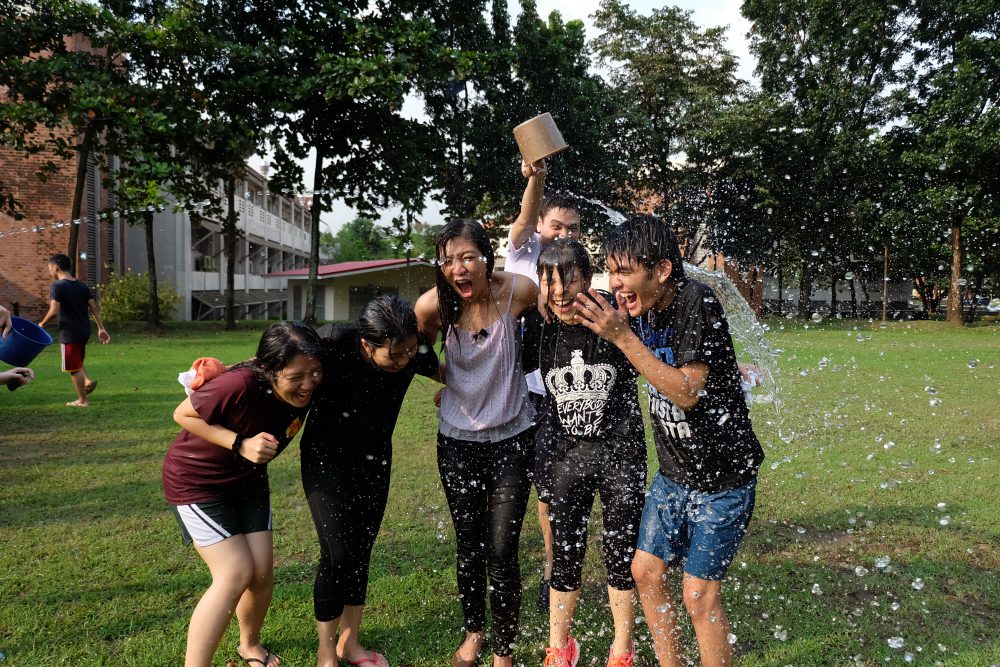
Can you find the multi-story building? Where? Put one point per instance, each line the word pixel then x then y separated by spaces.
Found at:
pixel 190 253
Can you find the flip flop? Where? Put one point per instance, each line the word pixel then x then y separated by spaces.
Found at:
pixel 77 404
pixel 265 662
pixel 372 660
pixel 91 387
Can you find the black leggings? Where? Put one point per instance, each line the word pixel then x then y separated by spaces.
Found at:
pixel 619 475
pixel 487 487
pixel 347 494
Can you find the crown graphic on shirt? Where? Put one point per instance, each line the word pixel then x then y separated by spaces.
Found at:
pixel 581 380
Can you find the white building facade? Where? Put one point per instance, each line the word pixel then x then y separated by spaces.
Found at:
pixel 191 258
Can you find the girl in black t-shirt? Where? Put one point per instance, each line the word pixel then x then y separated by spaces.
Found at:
pixel 590 440
pixel 347 458
pixel 215 476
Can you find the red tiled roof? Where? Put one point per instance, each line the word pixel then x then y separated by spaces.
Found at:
pixel 346 268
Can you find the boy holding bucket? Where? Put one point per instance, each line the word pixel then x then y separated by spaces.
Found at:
pixel 541 221
pixel 74 303
pixel 702 497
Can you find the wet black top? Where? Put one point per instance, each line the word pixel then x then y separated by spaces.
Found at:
pixel 356 406
pixel 590 385
pixel 712 446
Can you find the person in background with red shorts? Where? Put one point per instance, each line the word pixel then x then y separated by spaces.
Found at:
pixel 74 303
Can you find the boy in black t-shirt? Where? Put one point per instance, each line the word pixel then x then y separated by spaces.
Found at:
pixel 702 498
pixel 74 303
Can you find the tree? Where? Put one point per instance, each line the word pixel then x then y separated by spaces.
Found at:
pixel 360 239
pixel 671 78
pixel 827 72
pixel 948 140
pixel 352 69
pixel 233 61
pixel 64 88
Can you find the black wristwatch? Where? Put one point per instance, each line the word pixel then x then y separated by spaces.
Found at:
pixel 237 444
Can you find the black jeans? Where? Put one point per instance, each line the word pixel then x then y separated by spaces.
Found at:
pixel 347 494
pixel 487 487
pixel 618 472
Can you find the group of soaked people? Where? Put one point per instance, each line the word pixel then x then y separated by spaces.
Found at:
pixel 576 434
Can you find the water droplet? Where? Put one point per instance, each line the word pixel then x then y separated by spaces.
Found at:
pixel 945 520
pixel 860 570
pixel 882 562
pixel 817 318
pixel 942 506
pixel 849 275
pixel 931 389
pixel 908 657
pixel 730 639
pixel 935 402
pixel 816 590
pixel 780 633
pixel 918 584
pixel 860 338
pixel 894 606
pixel 962 282
pixel 896 642
pixel 973 363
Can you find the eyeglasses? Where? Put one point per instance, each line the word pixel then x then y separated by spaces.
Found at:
pixel 394 357
pixel 408 353
pixel 298 378
pixel 466 260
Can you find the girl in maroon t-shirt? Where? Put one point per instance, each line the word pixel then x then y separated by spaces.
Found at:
pixel 215 476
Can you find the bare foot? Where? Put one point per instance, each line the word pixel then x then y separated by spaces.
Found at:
pixel 78 404
pixel 468 653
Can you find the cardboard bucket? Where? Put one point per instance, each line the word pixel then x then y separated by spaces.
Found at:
pixel 539 138
pixel 23 343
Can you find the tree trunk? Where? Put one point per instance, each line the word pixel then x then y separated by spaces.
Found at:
pixel 230 233
pixel 314 212
pixel 833 295
pixel 805 287
pixel 885 282
pixel 854 297
pixel 153 316
pixel 81 182
pixel 954 291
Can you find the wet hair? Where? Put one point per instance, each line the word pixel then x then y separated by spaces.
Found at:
pixel 564 257
pixel 449 303
pixel 61 261
pixel 648 240
pixel 279 344
pixel 561 200
pixel 386 320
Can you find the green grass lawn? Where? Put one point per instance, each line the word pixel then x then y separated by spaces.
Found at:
pixel 94 573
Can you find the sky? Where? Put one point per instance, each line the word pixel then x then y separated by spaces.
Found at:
pixel 705 13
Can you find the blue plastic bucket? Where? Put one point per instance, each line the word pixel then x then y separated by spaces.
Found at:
pixel 23 343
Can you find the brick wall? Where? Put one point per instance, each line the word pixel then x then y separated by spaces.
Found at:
pixel 24 278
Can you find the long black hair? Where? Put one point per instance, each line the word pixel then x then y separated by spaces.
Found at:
pixel 279 344
pixel 564 257
pixel 647 240
pixel 449 303
pixel 387 319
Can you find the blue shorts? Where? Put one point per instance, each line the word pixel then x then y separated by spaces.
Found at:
pixel 703 529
